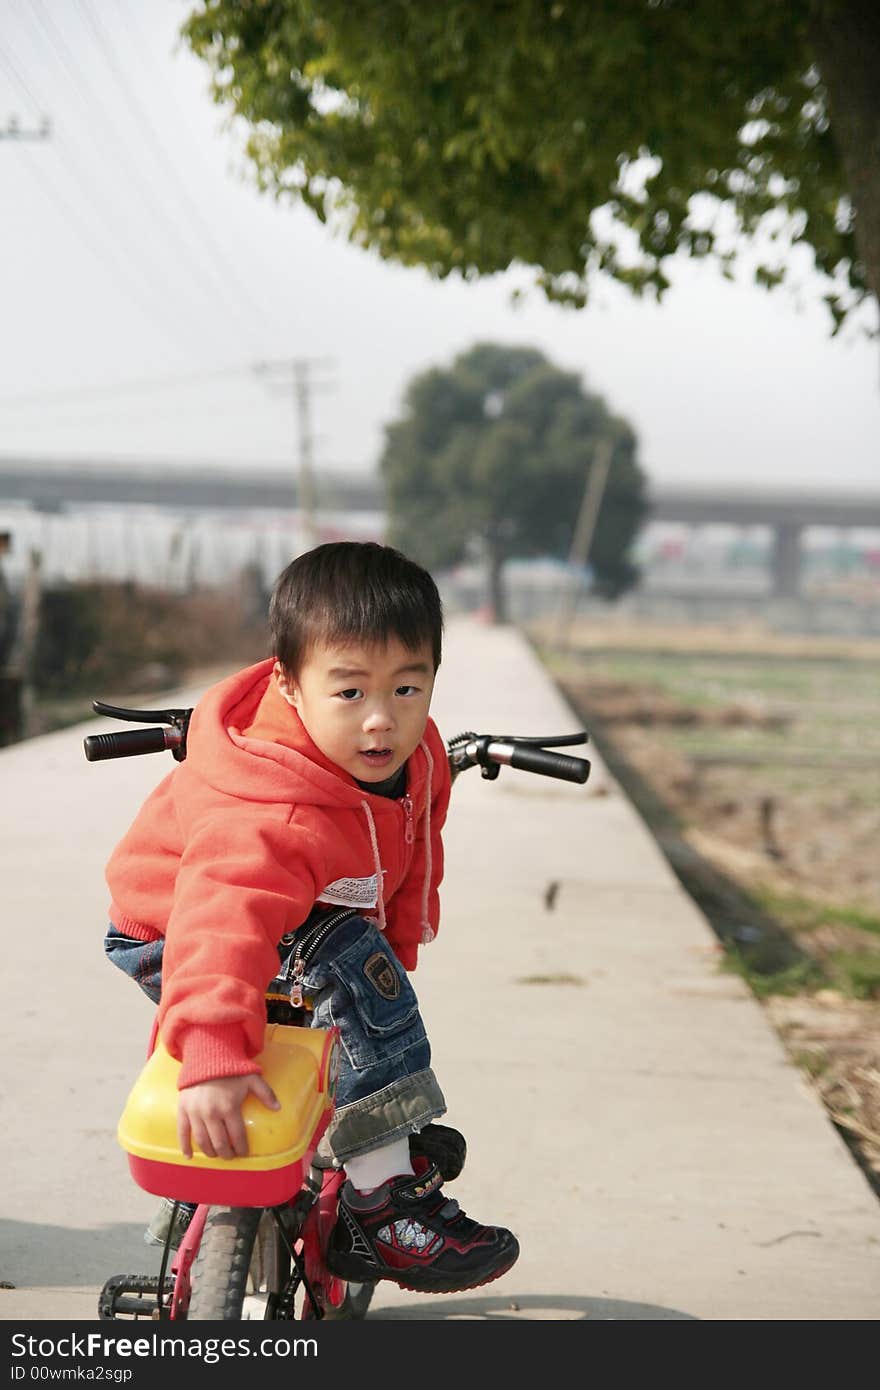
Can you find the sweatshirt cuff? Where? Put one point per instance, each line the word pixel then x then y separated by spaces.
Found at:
pixel 212 1050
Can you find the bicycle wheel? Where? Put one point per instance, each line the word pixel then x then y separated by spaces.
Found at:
pixel 241 1268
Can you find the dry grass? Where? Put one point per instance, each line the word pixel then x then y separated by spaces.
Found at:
pixel 745 637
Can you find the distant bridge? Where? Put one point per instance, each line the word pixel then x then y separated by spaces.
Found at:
pixel 52 485
pixel 705 506
pixel 788 513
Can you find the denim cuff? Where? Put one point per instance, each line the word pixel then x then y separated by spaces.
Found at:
pixel 399 1109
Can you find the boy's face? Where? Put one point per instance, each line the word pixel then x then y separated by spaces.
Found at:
pixel 364 707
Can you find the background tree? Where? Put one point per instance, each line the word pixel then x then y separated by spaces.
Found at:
pixel 499 447
pixel 567 136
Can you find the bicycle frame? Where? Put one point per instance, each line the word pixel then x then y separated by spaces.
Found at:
pixel 322 1289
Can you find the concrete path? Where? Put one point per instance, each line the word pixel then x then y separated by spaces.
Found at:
pixel 630 1111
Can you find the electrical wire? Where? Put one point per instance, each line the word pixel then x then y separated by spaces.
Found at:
pixel 134 266
pixel 95 412
pixel 132 385
pixel 116 255
pixel 221 260
pixel 16 76
pixel 119 269
pixel 154 205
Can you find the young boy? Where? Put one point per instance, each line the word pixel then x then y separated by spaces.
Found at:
pixel 315 783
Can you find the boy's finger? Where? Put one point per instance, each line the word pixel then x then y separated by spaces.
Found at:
pixel 203 1137
pixel 237 1133
pixel 263 1091
pixel 220 1145
pixel 184 1138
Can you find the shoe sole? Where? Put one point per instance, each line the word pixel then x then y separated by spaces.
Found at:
pixel 430 1283
pixel 456 1288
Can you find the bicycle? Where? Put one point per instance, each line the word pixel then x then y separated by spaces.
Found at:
pixel 260 1253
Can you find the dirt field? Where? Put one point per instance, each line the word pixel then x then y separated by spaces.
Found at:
pixel 756 761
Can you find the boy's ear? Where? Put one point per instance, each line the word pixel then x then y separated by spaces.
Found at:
pixel 285 684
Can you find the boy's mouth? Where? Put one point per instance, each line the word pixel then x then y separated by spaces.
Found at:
pixel 377 757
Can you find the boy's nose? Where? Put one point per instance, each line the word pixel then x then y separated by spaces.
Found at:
pixel 378 718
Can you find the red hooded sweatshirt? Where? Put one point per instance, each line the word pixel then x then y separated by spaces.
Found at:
pixel 237 844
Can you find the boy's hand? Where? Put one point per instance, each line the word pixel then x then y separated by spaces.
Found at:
pixel 209 1114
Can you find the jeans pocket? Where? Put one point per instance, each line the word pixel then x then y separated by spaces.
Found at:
pixel 376 983
pixel 362 989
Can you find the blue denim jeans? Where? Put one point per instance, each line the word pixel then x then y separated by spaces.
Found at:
pixel 386 1087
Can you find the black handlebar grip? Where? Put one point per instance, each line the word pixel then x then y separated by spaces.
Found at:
pixel 126 745
pixel 549 764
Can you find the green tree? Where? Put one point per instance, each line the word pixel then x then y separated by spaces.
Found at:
pixel 499 447
pixel 573 137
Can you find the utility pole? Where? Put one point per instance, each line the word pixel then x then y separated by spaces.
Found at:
pixel 298 371
pixel 594 491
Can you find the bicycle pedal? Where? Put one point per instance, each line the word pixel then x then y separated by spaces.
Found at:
pixel 442 1146
pixel 132 1296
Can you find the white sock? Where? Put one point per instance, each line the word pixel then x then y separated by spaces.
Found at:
pixel 370 1170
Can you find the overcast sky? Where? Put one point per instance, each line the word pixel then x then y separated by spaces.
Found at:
pixel 142 277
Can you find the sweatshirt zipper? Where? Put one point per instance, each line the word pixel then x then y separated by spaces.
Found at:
pixel 409 833
pixel 306 949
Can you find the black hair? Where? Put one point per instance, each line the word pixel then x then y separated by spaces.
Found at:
pixel 353 591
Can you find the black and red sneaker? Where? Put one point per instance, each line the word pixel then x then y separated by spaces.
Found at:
pixel 407 1231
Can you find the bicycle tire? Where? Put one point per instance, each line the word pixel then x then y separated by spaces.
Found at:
pixel 242 1267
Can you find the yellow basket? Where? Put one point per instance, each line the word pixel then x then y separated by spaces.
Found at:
pixel 299 1064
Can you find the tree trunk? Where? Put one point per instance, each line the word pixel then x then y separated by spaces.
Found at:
pixel 497 596
pixel 846 43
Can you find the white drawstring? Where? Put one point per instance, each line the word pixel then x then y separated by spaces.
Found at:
pixel 380 894
pixel 428 932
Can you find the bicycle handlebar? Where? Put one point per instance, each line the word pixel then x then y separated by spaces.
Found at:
pixel 530 759
pixel 490 752
pixel 99 747
pixel 493 751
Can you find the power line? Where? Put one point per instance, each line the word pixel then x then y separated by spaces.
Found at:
pixel 16 76
pixel 72 215
pixel 226 265
pixel 85 180
pixel 98 412
pixel 135 384
pixel 107 246
pixel 13 130
pixel 50 189
pixel 109 125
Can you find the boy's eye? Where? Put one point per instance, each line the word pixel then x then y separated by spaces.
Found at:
pixel 407 690
pixel 351 694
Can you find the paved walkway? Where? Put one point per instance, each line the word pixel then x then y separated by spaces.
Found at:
pixel 630 1111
